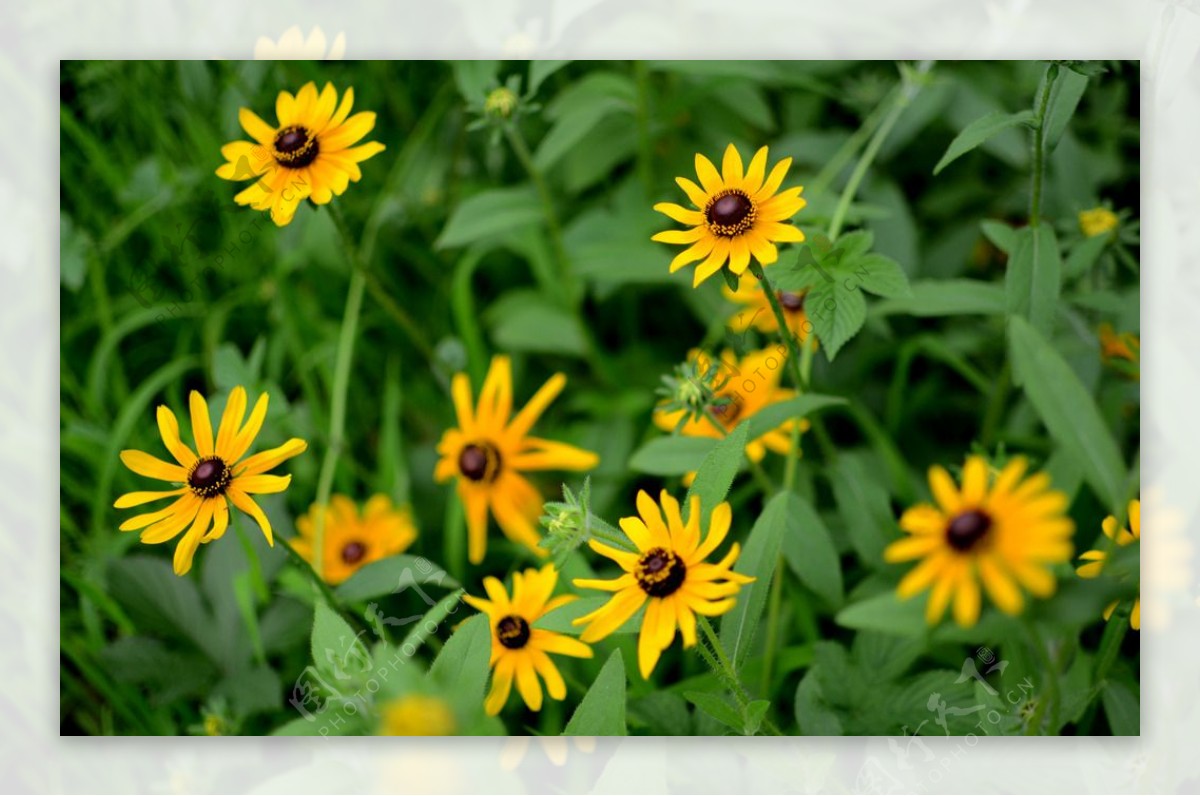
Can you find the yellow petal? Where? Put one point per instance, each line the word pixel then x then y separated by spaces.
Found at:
pixel 710 179
pixel 334 139
pixel 731 167
pixel 502 678
pixel 231 422
pixel 694 192
pixel 132 499
pixel 755 172
pixel 530 413
pixel 264 461
pixel 544 454
pixel 244 502
pixel 153 467
pixel 527 683
pixel 201 424
pixel 259 130
pixel 944 490
pixel 185 551
pixel 245 437
pixel 680 214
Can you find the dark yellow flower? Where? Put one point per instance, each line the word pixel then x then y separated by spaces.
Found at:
pixel 520 650
pixel 1122 537
pixel 353 540
pixel 491 448
pixel 309 154
pixel 737 214
pixel 750 385
pixel 209 478
pixel 1006 534
pixel 756 309
pixel 416 714
pixel 669 575
pixel 1097 221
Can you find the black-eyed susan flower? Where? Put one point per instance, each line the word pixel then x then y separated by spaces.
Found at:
pixel 1123 537
pixel 668 575
pixel 309 154
pixel 416 714
pixel 747 386
pixel 1006 534
pixel 756 309
pixel 1097 221
pixel 520 651
pixel 736 214
pixel 354 539
pixel 490 449
pixel 207 479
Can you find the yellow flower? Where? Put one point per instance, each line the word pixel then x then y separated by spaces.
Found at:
pixel 750 384
pixel 207 477
pixel 310 154
pixel 416 714
pixel 757 312
pixel 1007 534
pixel 668 575
pixel 519 650
pixel 1097 221
pixel 293 46
pixel 1097 557
pixel 489 450
pixel 352 540
pixel 737 214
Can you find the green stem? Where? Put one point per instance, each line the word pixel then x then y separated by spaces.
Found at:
pixel 1039 146
pixel 781 320
pixel 756 469
pixel 899 101
pixel 341 384
pixel 995 407
pixel 774 607
pixel 1051 697
pixel 726 671
pixel 850 147
pixel 304 566
pixel 521 149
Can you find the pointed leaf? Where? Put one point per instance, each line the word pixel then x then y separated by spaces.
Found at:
pixel 979 131
pixel 602 711
pixel 1035 277
pixel 811 553
pixel 758 559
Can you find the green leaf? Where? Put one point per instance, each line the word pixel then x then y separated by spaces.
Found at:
pixel 525 320
pixel 75 246
pixel 489 213
pixel 1070 414
pixel 431 621
pixel 719 708
pixel 1064 98
pixel 880 275
pixel 837 313
pixel 579 109
pixel 942 297
pixel 157 599
pixel 1123 708
pixel 979 131
pixel 463 662
pixel 602 711
pixel 758 560
pixel 474 79
pixel 1034 277
pixel 1002 235
pixel 775 415
pixel 539 70
pixel 811 553
pixel 717 471
pixel 393 575
pixel 672 455
pixel 865 508
pixel 885 613
pixel 813 714
pixel 336 648
pixel 1083 256
pixel 560 619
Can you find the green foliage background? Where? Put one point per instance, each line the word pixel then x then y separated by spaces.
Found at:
pixel 168 286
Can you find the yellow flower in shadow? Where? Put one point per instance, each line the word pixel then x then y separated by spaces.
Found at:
pixel 1097 557
pixel 353 539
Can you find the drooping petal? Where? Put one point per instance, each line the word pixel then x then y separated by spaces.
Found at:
pixel 246 503
pixel 648 649
pixel 475 506
pixel 264 461
pixel 502 678
pixel 700 250
pixel 527 682
pixel 517 506
pixel 555 687
pixel 185 551
pixel 603 621
pixel 169 527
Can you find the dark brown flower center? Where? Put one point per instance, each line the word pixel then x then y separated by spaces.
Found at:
pixel 479 461
pixel 296 147
pixel 967 529
pixel 727 413
pixel 353 552
pixel 660 572
pixel 513 632
pixel 209 477
pixel 729 214
pixel 791 302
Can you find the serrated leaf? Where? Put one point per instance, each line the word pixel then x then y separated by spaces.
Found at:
pixel 837 313
pixel 489 213
pixel 811 553
pixel 813 714
pixel 758 560
pixel 673 455
pixel 979 131
pixel 1068 411
pixel 336 648
pixel 1034 277
pixel 880 275
pixel 393 575
pixel 602 711
pixel 717 471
